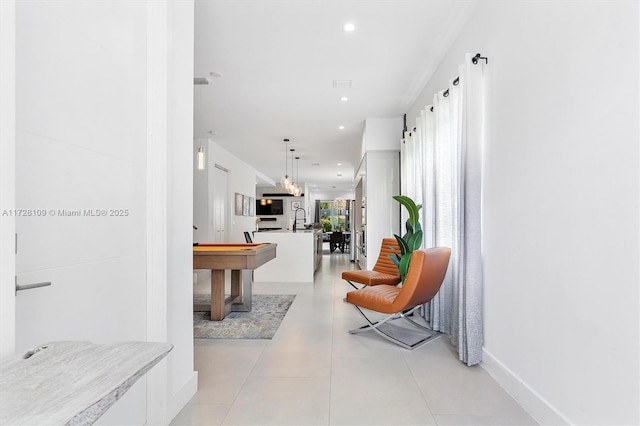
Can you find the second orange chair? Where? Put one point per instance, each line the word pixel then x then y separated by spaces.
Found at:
pixel 383 272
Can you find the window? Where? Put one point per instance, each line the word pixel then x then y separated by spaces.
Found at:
pixel 334 215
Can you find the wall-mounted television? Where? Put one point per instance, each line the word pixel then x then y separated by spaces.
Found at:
pixel 268 207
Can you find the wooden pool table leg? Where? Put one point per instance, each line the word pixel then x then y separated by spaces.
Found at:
pixel 242 303
pixel 217 294
pixel 236 285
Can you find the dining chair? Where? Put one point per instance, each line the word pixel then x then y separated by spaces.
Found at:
pixel 336 241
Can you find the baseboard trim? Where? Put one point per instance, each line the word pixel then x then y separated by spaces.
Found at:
pixel 539 408
pixel 182 397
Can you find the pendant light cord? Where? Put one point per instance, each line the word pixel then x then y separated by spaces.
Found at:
pixel 286 165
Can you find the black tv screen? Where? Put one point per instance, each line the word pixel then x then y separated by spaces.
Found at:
pixel 268 206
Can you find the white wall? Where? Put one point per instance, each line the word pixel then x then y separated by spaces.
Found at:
pixel 241 179
pixel 560 227
pixel 181 378
pixel 201 199
pixel 380 173
pixel 382 212
pixel 382 134
pixel 7 177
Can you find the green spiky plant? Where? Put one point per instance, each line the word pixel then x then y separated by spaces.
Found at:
pixel 410 241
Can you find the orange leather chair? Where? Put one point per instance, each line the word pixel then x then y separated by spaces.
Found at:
pixel 384 271
pixel 425 275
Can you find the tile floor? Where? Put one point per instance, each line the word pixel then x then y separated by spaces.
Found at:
pixel 313 372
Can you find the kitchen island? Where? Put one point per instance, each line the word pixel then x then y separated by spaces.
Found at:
pixel 299 255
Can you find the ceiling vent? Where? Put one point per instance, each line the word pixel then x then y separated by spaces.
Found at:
pixel 342 84
pixel 200 80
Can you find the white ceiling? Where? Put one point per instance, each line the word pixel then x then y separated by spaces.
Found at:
pixel 278 61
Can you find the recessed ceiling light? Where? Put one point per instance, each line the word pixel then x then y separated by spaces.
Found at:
pixel 215 74
pixel 341 127
pixel 349 27
pixel 339 164
pixel 344 98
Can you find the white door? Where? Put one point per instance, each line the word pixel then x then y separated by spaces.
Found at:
pixel 81 178
pixel 219 207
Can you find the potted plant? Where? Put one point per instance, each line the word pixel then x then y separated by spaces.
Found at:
pixel 410 241
pixel 326 224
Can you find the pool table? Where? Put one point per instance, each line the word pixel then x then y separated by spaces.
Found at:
pixel 220 257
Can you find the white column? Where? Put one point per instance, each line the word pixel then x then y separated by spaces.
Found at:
pixel 157 45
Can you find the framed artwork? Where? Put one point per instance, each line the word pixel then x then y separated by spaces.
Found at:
pixel 239 204
pixel 245 205
pixel 295 205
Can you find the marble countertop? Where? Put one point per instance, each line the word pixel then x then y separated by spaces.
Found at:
pixel 71 383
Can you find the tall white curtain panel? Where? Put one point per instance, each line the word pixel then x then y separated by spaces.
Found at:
pixel 442 170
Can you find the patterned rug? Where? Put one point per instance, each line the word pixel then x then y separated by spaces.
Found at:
pixel 267 311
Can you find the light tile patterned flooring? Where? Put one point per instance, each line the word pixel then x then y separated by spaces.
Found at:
pixel 313 372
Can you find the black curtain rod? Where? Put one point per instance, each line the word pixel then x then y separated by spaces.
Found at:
pixel 404 124
pixel 456 81
pixel 410 133
pixel 479 57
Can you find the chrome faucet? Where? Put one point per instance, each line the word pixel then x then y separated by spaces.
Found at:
pixel 295 218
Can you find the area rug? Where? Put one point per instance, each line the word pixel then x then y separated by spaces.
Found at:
pixel 262 322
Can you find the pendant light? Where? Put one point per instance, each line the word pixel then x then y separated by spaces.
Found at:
pixel 285 182
pixel 298 190
pixel 201 162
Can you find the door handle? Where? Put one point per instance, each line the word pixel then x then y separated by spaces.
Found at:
pixel 20 287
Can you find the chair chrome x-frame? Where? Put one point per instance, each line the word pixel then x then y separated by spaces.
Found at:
pixel 429 335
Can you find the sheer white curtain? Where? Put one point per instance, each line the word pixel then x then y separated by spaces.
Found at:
pixel 411 157
pixel 442 170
